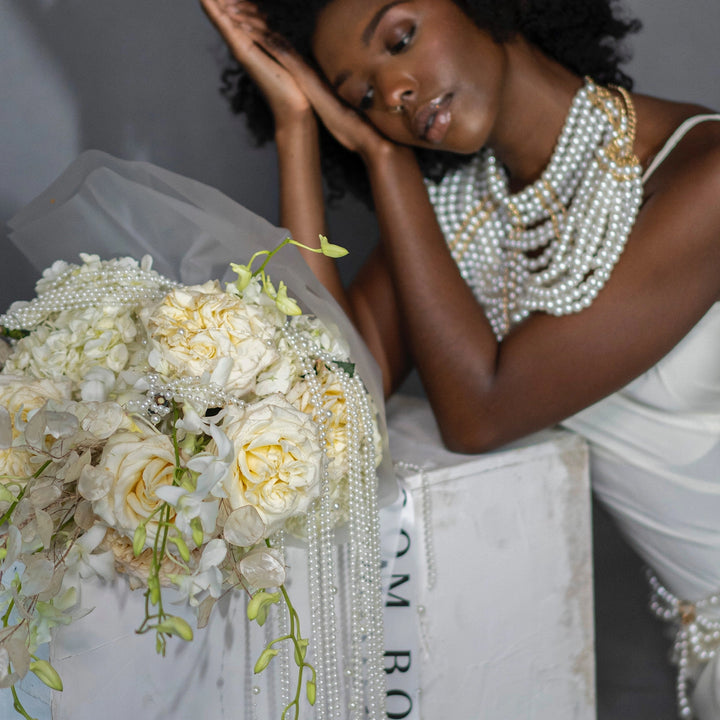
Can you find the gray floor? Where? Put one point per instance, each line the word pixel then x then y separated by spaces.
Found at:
pixel 635 681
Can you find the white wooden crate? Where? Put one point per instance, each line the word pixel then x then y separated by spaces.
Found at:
pixel 507 630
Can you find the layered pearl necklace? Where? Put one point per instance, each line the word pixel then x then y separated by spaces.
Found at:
pixel 552 246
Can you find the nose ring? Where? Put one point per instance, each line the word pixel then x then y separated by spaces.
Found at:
pixel 396 109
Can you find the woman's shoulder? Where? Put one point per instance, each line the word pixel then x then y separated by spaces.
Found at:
pixel 679 147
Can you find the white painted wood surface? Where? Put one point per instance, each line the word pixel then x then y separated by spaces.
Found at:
pixel 507 631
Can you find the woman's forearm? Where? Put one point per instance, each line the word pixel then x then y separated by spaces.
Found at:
pixel 302 208
pixel 449 336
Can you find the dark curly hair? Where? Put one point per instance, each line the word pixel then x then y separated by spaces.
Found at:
pixel 586 37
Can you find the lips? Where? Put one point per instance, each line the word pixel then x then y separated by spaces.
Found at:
pixel 432 120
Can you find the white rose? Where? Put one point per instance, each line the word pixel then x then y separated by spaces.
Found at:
pixel 194 328
pixel 279 463
pixel 18 392
pixel 139 463
pixel 281 375
pixel 336 433
pixel 21 397
pixel 333 402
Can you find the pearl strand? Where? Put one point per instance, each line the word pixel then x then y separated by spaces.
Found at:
pixel 322 606
pixel 357 610
pixel 365 675
pixel 552 246
pixel 426 514
pixel 283 622
pixel 118 283
pixel 377 688
pixel 368 552
pixel 697 638
pixel 250 693
pixel 195 391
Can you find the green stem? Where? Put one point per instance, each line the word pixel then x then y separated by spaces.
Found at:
pixel 270 254
pixel 176 446
pixel 305 247
pixel 34 476
pixel 6 616
pixel 18 705
pixel 295 635
pixel 257 254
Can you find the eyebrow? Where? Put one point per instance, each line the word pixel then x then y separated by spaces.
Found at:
pixel 369 31
pixel 366 36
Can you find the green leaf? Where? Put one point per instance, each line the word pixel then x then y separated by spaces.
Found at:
pixel 311 692
pixel 286 304
pixel 47 673
pixel 347 367
pixel 197 531
pixel 174 625
pixel 13 334
pixel 139 539
pixel 330 250
pixel 182 547
pixel 264 660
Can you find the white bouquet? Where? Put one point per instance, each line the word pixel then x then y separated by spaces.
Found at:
pixel 178 433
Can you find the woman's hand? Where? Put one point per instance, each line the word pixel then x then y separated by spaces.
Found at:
pixel 286 80
pixel 348 127
pixel 245 32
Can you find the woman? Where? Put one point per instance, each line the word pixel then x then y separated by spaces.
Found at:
pixel 568 273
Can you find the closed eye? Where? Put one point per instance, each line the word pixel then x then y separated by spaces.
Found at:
pixel 367 100
pixel 402 44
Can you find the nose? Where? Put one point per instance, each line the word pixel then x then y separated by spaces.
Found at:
pixel 397 88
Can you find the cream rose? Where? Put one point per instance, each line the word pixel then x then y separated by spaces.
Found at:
pixel 138 463
pixel 279 463
pixel 333 403
pixel 194 328
pixel 336 432
pixel 21 397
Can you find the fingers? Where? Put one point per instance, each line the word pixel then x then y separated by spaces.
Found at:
pixel 283 76
pixel 244 13
pixel 234 18
pixel 240 25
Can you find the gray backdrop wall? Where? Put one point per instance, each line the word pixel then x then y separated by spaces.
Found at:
pixel 139 79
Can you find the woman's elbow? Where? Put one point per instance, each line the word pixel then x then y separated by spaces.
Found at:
pixel 471 438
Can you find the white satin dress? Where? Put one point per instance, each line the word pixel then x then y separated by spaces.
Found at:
pixel 655 463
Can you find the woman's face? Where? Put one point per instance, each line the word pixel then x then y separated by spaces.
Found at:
pixel 424 56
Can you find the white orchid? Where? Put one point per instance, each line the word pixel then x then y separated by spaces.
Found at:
pixel 202 501
pixel 207 578
pixel 82 562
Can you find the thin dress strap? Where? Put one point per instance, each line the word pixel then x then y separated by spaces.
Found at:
pixel 674 139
